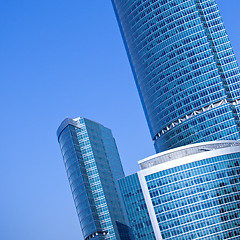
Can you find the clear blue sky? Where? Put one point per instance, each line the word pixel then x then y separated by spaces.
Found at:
pixel 64 58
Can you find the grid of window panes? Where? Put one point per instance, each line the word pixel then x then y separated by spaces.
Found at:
pixel 136 207
pixel 182 61
pixel 109 169
pixel 79 181
pixel 93 167
pixel 221 46
pixel 199 200
pixel 222 49
pixel 211 125
pixel 96 188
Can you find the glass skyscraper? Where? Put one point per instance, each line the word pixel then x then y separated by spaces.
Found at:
pixel 184 67
pixel 190 192
pixel 93 166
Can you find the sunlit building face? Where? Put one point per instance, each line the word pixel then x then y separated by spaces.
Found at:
pixel 184 67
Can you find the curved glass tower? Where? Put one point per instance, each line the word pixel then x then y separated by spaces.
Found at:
pixel 190 192
pixel 184 67
pixel 93 166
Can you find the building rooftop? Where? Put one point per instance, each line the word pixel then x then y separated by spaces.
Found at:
pixel 184 151
pixel 74 122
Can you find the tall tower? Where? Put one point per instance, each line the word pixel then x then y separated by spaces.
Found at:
pixel 185 70
pixel 93 166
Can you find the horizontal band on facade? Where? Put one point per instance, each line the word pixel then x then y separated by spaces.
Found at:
pixel 103 233
pixel 184 151
pixel 192 114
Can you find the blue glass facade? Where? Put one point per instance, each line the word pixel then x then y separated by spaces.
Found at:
pixel 190 192
pixel 200 200
pixel 184 67
pixel 136 208
pixel 93 166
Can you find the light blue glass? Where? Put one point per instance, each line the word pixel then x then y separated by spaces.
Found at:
pixel 185 70
pixel 186 193
pixel 93 167
pixel 199 200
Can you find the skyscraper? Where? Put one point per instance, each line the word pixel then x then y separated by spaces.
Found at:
pixel 184 67
pixel 93 166
pixel 190 192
